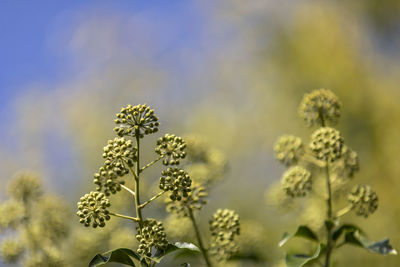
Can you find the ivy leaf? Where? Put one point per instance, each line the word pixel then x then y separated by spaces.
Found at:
pixel 302 231
pixel 382 247
pixel 298 260
pixel 120 255
pixel 177 246
pixel 345 228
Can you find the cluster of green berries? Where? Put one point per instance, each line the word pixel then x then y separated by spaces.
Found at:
pixel 11 250
pixel 107 181
pixel 318 106
pixel 25 187
pixel 288 149
pixel 224 227
pixel 136 121
pixel 363 200
pixel 296 181
pixel 171 148
pixel 177 181
pixel 152 235
pixel 351 162
pixel 119 154
pixel 195 200
pixel 327 144
pixel 92 209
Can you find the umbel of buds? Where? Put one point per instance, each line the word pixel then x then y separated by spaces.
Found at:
pixel 363 200
pixel 296 181
pixel 151 236
pixel 288 149
pixel 171 148
pixel 136 121
pixel 195 200
pixel 224 227
pixel 119 154
pixel 11 250
pixel 326 143
pixel 92 209
pixel 177 182
pixel 107 181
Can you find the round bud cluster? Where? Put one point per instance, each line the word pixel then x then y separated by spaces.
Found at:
pixel 25 187
pixel 351 162
pixel 288 149
pixel 136 121
pixel 171 147
pixel 194 200
pixel 177 181
pixel 11 250
pixel 12 213
pixel 320 106
pixel 224 226
pixel 119 153
pixel 296 181
pixel 327 144
pixel 363 200
pixel 151 236
pixel 92 209
pixel 107 181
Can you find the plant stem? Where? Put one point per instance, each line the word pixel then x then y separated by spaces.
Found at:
pixel 198 236
pixel 329 216
pixel 151 163
pixel 137 193
pixel 128 189
pixel 152 199
pixel 125 217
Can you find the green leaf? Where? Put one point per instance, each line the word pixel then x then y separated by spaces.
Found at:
pixel 302 231
pixel 345 228
pixel 177 246
pixel 382 247
pixel 120 255
pixel 298 260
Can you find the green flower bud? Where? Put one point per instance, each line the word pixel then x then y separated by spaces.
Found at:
pixel 11 214
pixel 92 209
pixel 327 144
pixel 172 148
pixel 11 250
pixel 194 200
pixel 363 200
pixel 119 154
pixel 288 149
pixel 136 121
pixel 351 162
pixel 177 182
pixel 224 226
pixel 25 187
pixel 152 235
pixel 320 106
pixel 107 181
pixel 296 181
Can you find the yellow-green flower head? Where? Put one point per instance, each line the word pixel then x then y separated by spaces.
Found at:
pixel 320 106
pixel 327 144
pixel 363 200
pixel 288 149
pixel 195 200
pixel 25 187
pixel 296 181
pixel 92 209
pixel 48 257
pixel 107 181
pixel 172 148
pixel 151 236
pixel 136 121
pixel 11 250
pixel 119 154
pixel 351 162
pixel 224 226
pixel 11 214
pixel 177 181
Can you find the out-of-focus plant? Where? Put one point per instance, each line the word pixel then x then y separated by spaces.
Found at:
pixel 122 157
pixel 37 222
pixel 326 159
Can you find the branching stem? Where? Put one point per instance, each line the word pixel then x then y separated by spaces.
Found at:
pixel 128 189
pixel 152 199
pixel 125 217
pixel 150 164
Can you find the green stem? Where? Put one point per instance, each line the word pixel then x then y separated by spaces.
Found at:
pixel 151 163
pixel 152 199
pixel 329 244
pixel 199 240
pixel 128 189
pixel 125 217
pixel 137 193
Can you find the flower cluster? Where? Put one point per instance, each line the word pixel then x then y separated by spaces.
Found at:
pixel 136 121
pixel 195 200
pixel 363 200
pixel 224 226
pixel 152 235
pixel 327 144
pixel 107 181
pixel 25 187
pixel 177 181
pixel 171 148
pixel 320 106
pixel 92 209
pixel 119 154
pixel 296 181
pixel 11 250
pixel 288 149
